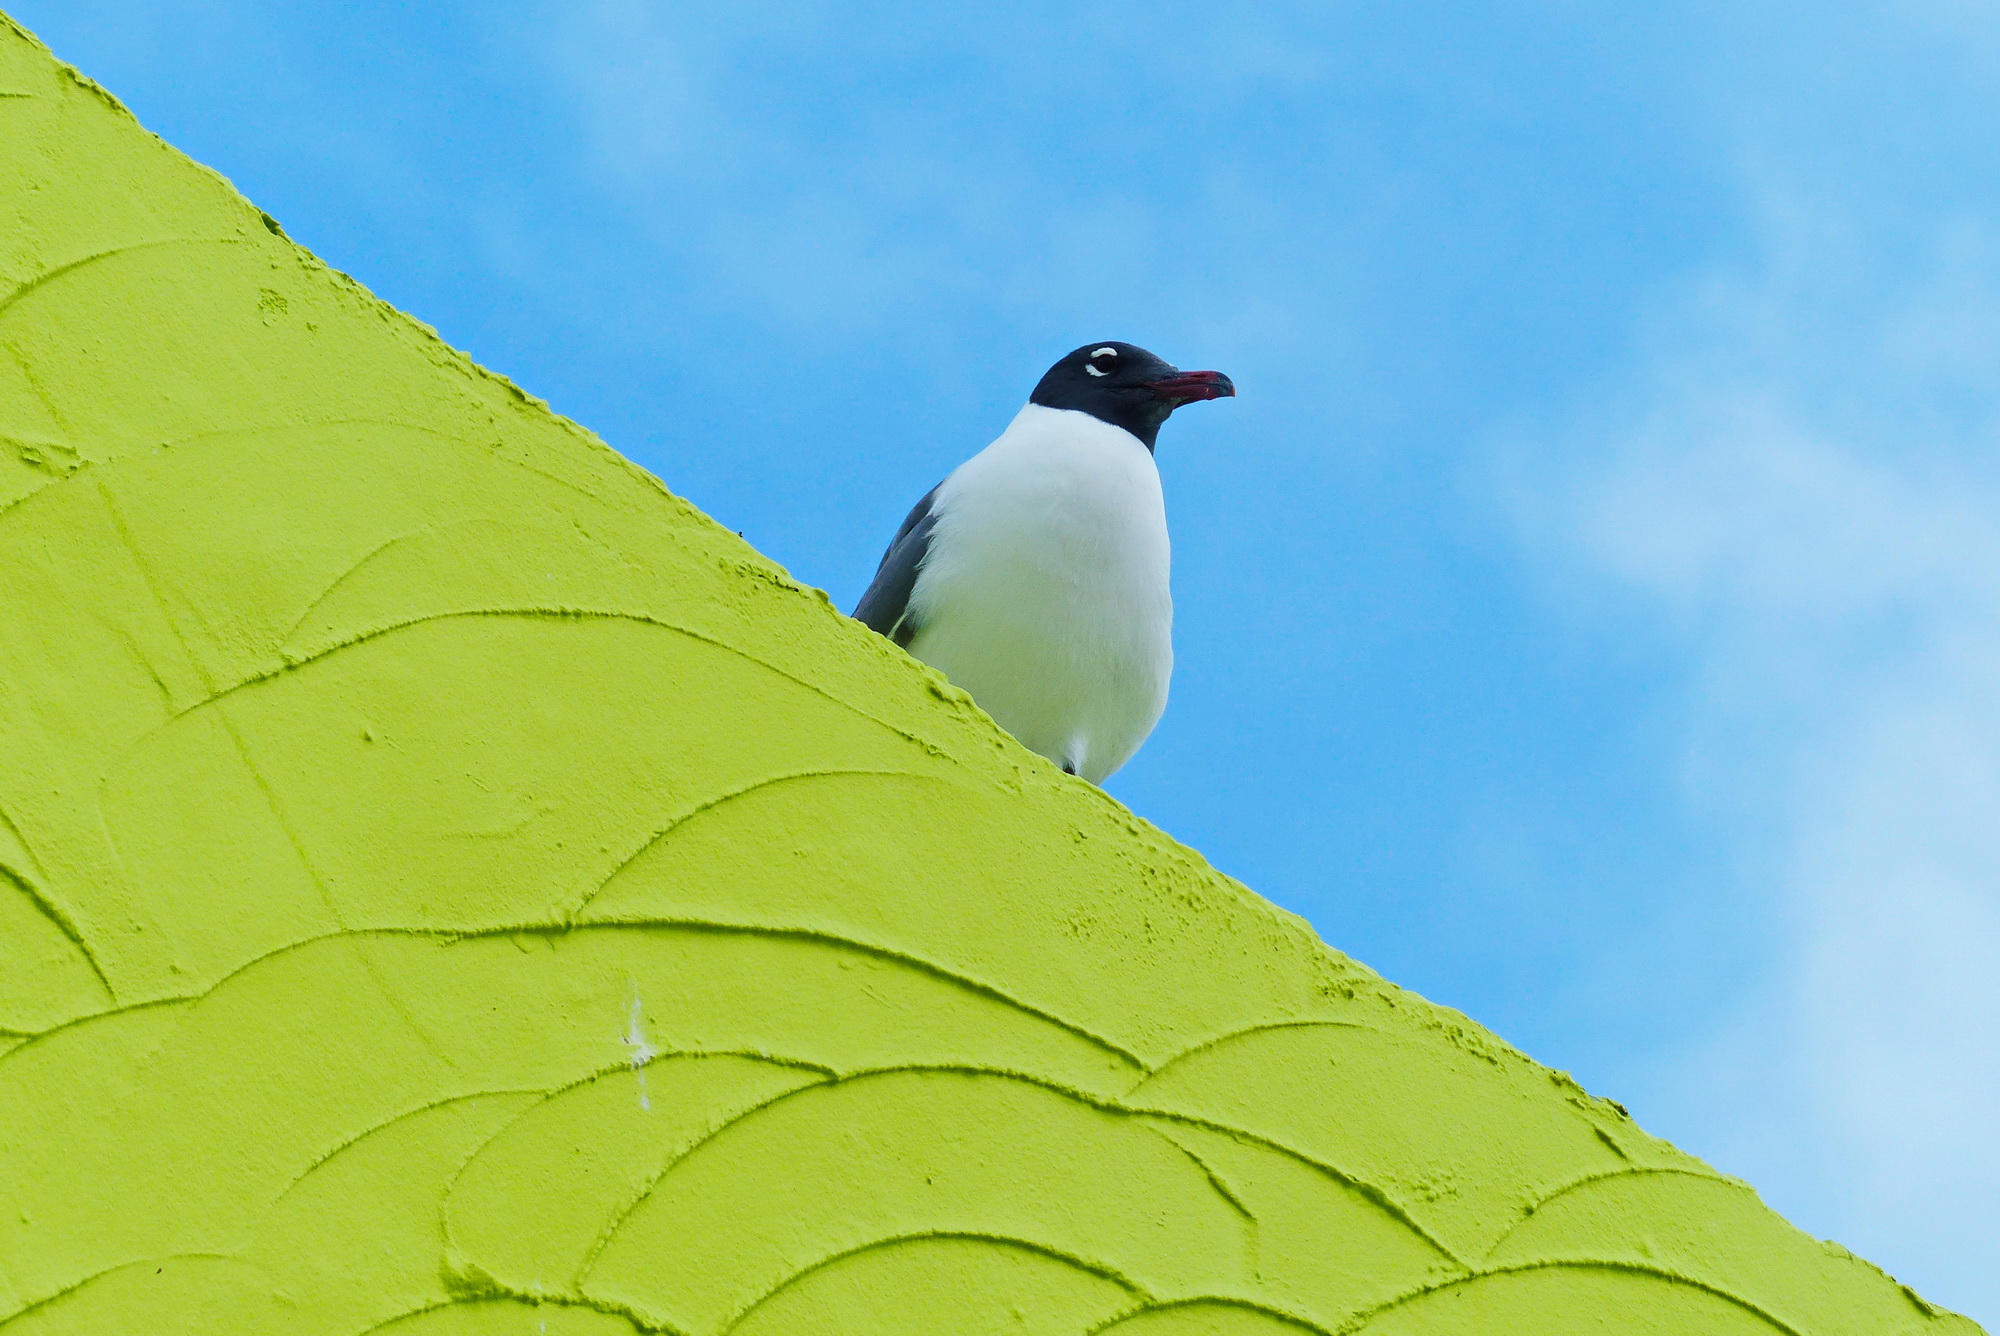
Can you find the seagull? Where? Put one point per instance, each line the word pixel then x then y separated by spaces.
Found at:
pixel 1035 576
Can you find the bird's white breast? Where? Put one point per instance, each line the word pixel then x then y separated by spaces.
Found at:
pixel 1045 589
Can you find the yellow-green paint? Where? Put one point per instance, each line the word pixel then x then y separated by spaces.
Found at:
pixel 449 887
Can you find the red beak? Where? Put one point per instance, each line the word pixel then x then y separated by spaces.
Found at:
pixel 1193 386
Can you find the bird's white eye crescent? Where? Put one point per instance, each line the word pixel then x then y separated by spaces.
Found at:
pixel 1100 353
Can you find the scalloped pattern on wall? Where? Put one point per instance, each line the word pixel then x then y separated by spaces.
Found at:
pixel 449 887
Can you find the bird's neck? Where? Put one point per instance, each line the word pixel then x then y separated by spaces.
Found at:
pixel 1037 417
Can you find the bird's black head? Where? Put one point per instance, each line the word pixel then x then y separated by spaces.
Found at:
pixel 1126 386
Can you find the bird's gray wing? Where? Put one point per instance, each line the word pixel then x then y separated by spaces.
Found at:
pixel 885 608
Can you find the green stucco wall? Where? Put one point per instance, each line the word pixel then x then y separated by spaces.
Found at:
pixel 449 885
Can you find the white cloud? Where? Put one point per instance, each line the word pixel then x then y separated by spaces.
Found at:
pixel 1803 483
pixel 1013 167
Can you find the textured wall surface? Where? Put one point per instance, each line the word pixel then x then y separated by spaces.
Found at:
pixel 448 885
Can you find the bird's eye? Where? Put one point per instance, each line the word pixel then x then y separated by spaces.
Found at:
pixel 1100 361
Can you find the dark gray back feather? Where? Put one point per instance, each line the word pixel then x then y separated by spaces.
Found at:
pixel 885 608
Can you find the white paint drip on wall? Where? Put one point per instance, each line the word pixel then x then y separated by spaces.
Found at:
pixel 634 1039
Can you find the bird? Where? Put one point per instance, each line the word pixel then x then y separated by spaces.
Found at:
pixel 1035 576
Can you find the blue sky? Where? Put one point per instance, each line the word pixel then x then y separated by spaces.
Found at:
pixel 1588 615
